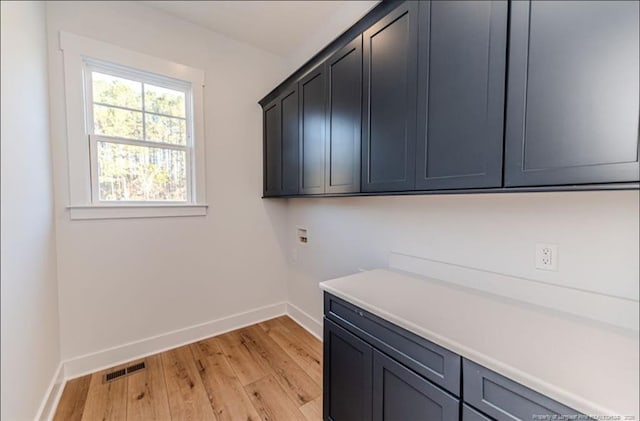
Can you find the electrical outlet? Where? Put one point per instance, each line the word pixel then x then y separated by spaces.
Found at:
pixel 303 235
pixel 547 257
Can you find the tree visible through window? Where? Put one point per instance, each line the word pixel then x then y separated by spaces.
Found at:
pixel 139 127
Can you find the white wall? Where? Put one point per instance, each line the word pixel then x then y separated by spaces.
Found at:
pixel 597 234
pixel 30 345
pixel 127 280
pixel 346 15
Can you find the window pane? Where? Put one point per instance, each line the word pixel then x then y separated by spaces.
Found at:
pixel 166 129
pixel 116 122
pixel 113 90
pixel 164 101
pixel 137 173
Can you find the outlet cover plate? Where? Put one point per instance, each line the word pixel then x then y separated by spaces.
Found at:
pixel 302 235
pixel 547 257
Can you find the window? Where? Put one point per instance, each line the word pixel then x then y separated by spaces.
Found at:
pixel 135 133
pixel 139 128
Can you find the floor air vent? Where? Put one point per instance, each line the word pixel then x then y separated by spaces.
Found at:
pixel 135 367
pixel 123 372
pixel 114 375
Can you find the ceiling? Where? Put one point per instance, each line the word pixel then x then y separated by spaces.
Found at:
pixel 280 27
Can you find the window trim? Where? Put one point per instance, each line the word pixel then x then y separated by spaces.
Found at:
pixel 79 51
pixel 145 210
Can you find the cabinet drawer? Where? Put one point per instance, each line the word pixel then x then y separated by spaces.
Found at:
pixel 470 414
pixel 431 361
pixel 504 399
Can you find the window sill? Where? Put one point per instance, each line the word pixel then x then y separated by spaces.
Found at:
pixel 135 211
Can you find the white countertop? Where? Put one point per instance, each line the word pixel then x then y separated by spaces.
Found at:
pixel 585 365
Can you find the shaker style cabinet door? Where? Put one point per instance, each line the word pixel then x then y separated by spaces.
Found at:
pixel 289 130
pixel 572 99
pixel 347 375
pixel 344 113
pixel 400 394
pixel 389 101
pixel 462 51
pixel 272 144
pixel 312 131
pixel 280 128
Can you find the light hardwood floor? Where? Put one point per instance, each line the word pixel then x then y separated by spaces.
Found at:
pixel 269 371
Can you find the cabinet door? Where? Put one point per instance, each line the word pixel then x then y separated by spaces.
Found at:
pixel 280 131
pixel 572 99
pixel 347 375
pixel 290 144
pixel 389 101
pixel 462 51
pixel 344 105
pixel 312 131
pixel 400 394
pixel 272 155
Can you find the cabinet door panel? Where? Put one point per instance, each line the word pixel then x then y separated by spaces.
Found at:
pixel 400 394
pixel 389 101
pixel 344 105
pixel 289 124
pixel 312 132
pixel 462 56
pixel 272 149
pixel 573 94
pixel 347 375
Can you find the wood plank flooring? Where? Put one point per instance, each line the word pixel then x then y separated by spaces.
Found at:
pixel 270 371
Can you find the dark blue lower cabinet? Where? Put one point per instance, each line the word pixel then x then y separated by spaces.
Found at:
pixel 434 363
pixel 347 375
pixel 368 379
pixel 399 394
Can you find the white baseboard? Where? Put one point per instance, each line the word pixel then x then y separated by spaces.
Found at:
pixel 100 360
pixel 117 355
pixel 52 397
pixel 312 325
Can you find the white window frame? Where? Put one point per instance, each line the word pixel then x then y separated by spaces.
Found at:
pixel 80 55
pixel 92 65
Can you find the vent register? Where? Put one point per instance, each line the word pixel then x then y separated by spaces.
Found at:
pixel 123 372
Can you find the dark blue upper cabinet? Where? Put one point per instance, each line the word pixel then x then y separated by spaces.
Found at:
pixel 461 80
pixel 289 129
pixel 272 145
pixel 344 110
pixel 572 105
pixel 312 131
pixel 389 101
pixel 280 131
pixel 451 96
